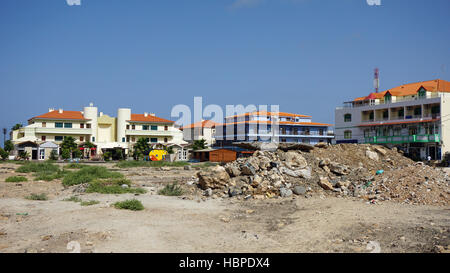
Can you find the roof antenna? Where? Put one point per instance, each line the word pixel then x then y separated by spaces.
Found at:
pixel 376 80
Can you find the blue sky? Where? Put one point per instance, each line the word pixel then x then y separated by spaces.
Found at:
pixel 308 56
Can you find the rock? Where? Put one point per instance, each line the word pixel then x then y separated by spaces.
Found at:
pixel 343 184
pixel 321 145
pixel 294 160
pixel 299 190
pixel 380 150
pixel 208 192
pixel 216 179
pixel 46 237
pixel 124 186
pixel 324 162
pixel 305 173
pixel 233 170
pixel 233 191
pixel 187 167
pixel 88 243
pixel 285 192
pixel 339 169
pixel 248 169
pixel 325 184
pixel 372 155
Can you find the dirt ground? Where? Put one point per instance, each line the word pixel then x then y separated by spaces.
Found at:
pixel 192 223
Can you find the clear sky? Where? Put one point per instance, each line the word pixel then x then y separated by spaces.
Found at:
pixel 308 56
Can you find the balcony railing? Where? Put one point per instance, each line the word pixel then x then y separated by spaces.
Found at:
pixel 403 139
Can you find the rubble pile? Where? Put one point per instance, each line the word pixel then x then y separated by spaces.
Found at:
pixel 371 172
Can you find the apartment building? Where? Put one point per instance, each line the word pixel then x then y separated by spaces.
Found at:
pixel 205 129
pixel 414 117
pixel 271 127
pixel 103 131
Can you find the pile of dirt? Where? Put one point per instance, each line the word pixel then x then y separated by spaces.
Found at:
pixel 372 172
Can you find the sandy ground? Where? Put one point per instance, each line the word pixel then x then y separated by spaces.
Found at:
pixel 195 224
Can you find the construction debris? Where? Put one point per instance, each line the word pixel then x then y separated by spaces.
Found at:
pixel 374 173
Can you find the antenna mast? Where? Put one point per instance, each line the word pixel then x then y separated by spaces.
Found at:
pixel 376 81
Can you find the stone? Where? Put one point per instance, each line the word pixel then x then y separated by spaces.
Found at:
pixel 233 170
pixel 339 169
pixel 285 192
pixel 187 167
pixel 248 169
pixel 325 183
pixel 294 160
pixel 321 145
pixel 46 237
pixel 324 162
pixel 124 186
pixel 88 243
pixel 372 155
pixel 305 173
pixel 208 192
pixel 216 179
pixel 299 190
pixel 380 150
pixel 343 184
pixel 233 191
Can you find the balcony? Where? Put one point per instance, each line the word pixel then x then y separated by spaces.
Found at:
pixel 403 139
pixel 148 133
pixel 63 131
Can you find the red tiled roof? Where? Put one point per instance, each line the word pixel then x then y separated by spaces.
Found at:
pixel 148 118
pixel 76 115
pixel 411 89
pixel 280 114
pixel 200 124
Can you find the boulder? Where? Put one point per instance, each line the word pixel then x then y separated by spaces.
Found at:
pixel 293 160
pixel 284 192
pixel 321 145
pixel 299 190
pixel 233 170
pixel 339 169
pixel 372 155
pixel 325 184
pixel 304 173
pixel 248 169
pixel 380 150
pixel 216 179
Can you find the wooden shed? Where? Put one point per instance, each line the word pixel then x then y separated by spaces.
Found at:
pixel 222 155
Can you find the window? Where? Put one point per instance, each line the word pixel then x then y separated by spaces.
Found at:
pixel 422 93
pixel 154 127
pixel 133 139
pixel 82 125
pixel 67 125
pixel 43 138
pixel 123 139
pixel 348 134
pixel 347 117
pixel 397 131
pixel 93 139
pixel 144 127
pixel 321 132
pixel 128 139
pixel 387 98
pixel 58 138
pixel 58 124
pixel 401 113
pixel 385 114
pixel 133 127
pixel 88 126
pixel 371 115
pixel 165 139
pixel 81 138
pixel 154 140
pixel 366 133
pixel 44 124
pixel 166 128
pixel 417 111
pixel 128 126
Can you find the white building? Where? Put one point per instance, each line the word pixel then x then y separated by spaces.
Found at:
pixel 205 129
pixel 414 117
pixel 103 131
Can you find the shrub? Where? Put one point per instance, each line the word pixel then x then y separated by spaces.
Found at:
pixel 89 174
pixel 16 179
pixel 39 197
pixel 113 186
pixel 49 176
pixel 53 155
pixel 131 204
pixel 89 203
pixel 75 166
pixel 77 154
pixel 33 167
pixel 107 156
pixel 4 154
pixel 171 190
pixel 65 154
pixel 73 199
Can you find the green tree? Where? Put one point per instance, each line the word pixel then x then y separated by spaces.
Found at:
pixel 65 154
pixel 3 154
pixel 16 127
pixel 53 155
pixel 77 153
pixel 9 146
pixel 199 144
pixel 69 144
pixel 107 156
pixel 140 148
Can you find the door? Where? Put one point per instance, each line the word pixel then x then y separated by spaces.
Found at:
pixel 41 154
pixel 34 154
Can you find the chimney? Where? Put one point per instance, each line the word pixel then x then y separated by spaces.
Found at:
pixel 51 109
pixel 145 114
pixel 152 114
pixel 60 111
pixel 91 104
